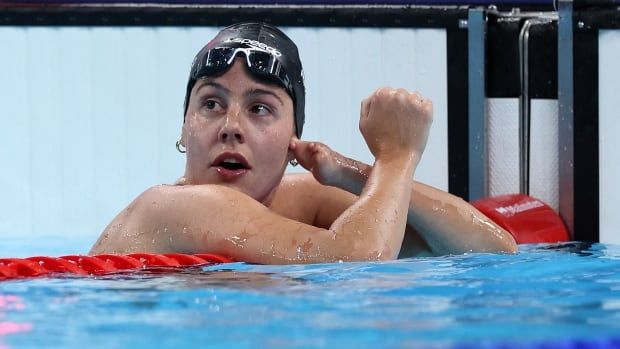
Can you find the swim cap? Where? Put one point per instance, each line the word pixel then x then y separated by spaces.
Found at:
pixel 270 55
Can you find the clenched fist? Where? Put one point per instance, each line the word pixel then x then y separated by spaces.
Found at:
pixel 395 122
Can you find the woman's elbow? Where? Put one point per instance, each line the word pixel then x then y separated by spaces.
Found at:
pixel 508 244
pixel 501 243
pixel 372 250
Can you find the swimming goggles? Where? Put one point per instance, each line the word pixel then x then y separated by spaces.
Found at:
pixel 260 62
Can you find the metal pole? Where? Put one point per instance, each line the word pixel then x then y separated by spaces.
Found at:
pixel 565 125
pixel 524 110
pixel 476 39
pixel 524 101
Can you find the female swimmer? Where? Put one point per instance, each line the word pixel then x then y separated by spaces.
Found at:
pixel 244 115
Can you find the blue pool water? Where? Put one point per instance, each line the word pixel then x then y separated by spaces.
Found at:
pixel 546 296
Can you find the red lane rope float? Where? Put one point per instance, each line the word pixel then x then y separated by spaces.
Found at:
pixel 11 268
pixel 528 219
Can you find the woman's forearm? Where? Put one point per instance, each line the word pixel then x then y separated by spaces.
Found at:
pixel 378 218
pixel 450 225
pixel 446 222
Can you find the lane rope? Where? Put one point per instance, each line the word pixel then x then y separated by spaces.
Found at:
pixel 11 268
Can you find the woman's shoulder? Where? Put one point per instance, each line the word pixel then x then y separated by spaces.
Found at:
pixel 168 193
pixel 296 197
pixel 299 183
pixel 301 195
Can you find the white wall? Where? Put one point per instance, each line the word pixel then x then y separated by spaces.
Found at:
pixel 503 145
pixel 90 115
pixel 503 148
pixel 609 141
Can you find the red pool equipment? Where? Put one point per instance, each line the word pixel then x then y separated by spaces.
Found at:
pixel 100 264
pixel 528 219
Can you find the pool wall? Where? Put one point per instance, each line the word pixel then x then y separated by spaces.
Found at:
pixel 92 99
pixel 609 129
pixel 92 113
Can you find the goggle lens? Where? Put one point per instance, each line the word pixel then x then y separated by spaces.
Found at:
pixel 262 63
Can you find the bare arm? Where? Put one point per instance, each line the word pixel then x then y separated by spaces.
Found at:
pixel 217 219
pixel 208 218
pixel 446 223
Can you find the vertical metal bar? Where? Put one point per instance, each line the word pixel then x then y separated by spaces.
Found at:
pixel 524 109
pixel 566 121
pixel 476 38
pixel 458 141
pixel 524 101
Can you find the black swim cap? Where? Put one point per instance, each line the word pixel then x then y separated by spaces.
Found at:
pixel 264 38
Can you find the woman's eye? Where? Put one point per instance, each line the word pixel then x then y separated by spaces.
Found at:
pixel 260 109
pixel 211 104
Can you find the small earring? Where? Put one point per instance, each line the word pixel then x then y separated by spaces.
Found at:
pixel 294 162
pixel 180 147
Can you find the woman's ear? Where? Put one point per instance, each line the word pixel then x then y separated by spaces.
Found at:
pixel 184 131
pixel 181 143
pixel 291 148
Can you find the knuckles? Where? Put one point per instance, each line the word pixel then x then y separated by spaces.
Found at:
pixel 388 99
pixel 395 117
pixel 401 96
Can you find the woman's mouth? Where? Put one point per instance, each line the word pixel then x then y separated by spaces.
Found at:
pixel 231 166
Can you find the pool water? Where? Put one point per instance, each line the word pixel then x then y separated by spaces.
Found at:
pixel 565 295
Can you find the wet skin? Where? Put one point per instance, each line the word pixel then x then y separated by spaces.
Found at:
pixel 236 117
pixel 234 200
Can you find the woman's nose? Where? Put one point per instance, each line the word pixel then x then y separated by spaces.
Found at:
pixel 232 131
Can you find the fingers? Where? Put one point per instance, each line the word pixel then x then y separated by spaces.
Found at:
pixel 390 97
pixel 365 107
pixel 394 120
pixel 425 105
pixel 302 152
pixel 293 143
pixel 297 147
pixel 386 93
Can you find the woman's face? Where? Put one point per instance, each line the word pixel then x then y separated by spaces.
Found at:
pixel 237 132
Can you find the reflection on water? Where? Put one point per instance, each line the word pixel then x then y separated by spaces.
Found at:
pixel 11 303
pixel 544 293
pixel 195 278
